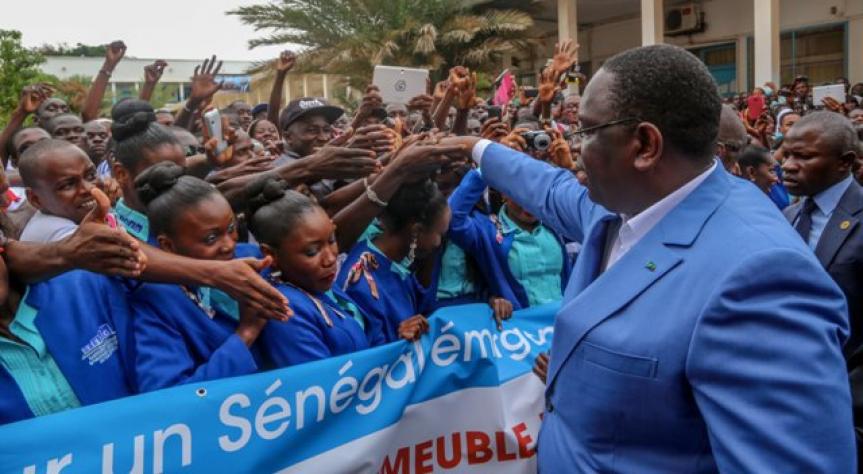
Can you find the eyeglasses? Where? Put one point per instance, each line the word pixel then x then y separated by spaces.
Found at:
pixel 584 131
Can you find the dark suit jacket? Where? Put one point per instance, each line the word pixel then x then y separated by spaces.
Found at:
pixel 840 251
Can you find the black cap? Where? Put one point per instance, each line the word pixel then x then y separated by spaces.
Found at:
pixel 304 106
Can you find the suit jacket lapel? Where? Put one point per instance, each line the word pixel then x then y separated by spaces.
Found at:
pixel 651 259
pixel 845 218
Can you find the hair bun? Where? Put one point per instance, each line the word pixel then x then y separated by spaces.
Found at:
pixel 157 180
pixel 264 192
pixel 131 117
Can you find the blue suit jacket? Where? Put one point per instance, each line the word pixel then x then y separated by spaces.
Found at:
pixel 475 232
pixel 714 344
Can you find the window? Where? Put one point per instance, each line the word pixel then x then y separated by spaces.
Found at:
pixel 818 53
pixel 721 61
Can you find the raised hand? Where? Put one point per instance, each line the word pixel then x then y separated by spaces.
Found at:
pixel 466 98
pixel 286 61
pixel 204 84
pixel 565 56
pixel 493 129
pixel 32 97
pixel 211 144
pixel 514 140
pixel 422 103
pixel 114 53
pixel 559 152
pixel 548 84
pixel 153 72
pixel 833 105
pixel 241 280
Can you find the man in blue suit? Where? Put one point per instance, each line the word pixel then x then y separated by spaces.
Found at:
pixel 697 333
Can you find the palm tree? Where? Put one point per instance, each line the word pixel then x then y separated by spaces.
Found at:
pixel 350 37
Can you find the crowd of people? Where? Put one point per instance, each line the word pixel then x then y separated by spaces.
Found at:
pixel 141 251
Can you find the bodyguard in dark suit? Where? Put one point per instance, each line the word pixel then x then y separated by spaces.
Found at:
pixel 819 153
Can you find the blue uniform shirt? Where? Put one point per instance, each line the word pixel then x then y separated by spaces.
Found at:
pixel 323 325
pixel 385 291
pixel 135 223
pixel 180 340
pixel 78 322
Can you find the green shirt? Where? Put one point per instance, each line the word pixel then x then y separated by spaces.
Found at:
pixel 535 260
pixel 40 380
pixel 133 221
pixel 453 281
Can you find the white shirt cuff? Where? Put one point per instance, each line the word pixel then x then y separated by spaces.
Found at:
pixel 479 149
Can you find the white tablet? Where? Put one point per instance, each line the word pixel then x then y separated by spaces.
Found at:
pixel 400 84
pixel 836 91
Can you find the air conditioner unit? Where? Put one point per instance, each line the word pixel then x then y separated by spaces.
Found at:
pixel 683 19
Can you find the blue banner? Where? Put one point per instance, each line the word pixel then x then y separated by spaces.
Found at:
pixel 462 397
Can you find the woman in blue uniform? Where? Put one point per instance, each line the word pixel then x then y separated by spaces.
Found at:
pixel 300 237
pixel 139 142
pixel 379 273
pixel 65 343
pixel 520 259
pixel 185 334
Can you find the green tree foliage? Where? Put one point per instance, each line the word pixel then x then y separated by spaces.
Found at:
pixel 352 36
pixel 80 49
pixel 19 67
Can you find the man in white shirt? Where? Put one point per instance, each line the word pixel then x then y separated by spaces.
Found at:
pixel 697 333
pixel 58 177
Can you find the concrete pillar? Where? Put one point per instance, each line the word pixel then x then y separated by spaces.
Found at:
pixel 305 85
pixel 742 64
pixel 652 22
pixel 855 50
pixel 567 20
pixel 326 85
pixel 766 41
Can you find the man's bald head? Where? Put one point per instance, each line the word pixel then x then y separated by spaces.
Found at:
pixel 32 163
pixel 731 129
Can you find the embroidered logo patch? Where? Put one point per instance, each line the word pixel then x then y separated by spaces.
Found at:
pixel 101 346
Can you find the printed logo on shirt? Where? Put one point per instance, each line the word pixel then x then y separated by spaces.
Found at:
pixel 101 346
pixel 130 224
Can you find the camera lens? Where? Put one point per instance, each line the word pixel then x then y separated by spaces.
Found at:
pixel 542 141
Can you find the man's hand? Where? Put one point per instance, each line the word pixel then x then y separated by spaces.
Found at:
pixel 548 85
pixel 211 144
pixel 32 97
pixel 466 98
pixel 559 152
pixel 412 328
pixel 422 103
pixel 540 366
pixel 565 56
pixel 493 129
pixel 286 61
pixel 418 160
pixel 371 100
pixel 501 310
pixel 241 280
pixel 153 72
pixel 113 54
pixel 833 105
pixel 97 247
pixel 204 85
pixel 255 165
pixel 341 163
pixel 514 140
pixel 375 137
pixel 111 188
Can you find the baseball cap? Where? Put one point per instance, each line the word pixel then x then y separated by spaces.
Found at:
pixel 306 106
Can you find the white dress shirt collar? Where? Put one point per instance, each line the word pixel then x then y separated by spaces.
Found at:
pixel 634 228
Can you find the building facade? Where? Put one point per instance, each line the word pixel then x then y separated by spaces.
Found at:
pixel 744 43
